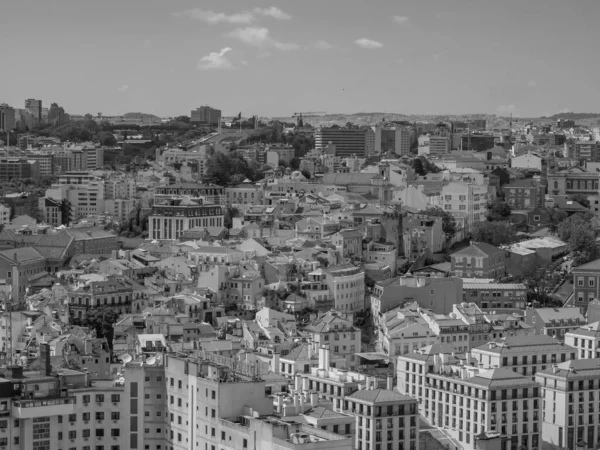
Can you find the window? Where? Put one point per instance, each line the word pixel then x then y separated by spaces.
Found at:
pixel 580 281
pixel 115 398
pixel 86 433
pixel 99 415
pixel 86 399
pixel 591 282
pixel 99 432
pixel 115 415
pixel 73 434
pixel 73 417
pixel 115 432
pixel 99 398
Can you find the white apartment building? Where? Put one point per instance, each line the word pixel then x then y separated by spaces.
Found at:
pixel 346 284
pixel 466 200
pixel 571 404
pixel 4 214
pixel 119 188
pixel 526 355
pixel 585 340
pixel 467 401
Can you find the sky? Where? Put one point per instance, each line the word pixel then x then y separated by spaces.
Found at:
pixel 277 57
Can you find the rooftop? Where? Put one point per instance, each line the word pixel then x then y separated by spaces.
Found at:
pixel 379 396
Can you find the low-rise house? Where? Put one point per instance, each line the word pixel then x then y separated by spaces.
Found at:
pixel 525 194
pixel 479 260
pixel 586 284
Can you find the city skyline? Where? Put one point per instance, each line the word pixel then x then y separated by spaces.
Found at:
pixel 273 59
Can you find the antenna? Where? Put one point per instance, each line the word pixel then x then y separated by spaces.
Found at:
pixel 126 358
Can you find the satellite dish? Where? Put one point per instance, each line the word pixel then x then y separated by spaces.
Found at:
pixel 158 357
pixel 126 358
pixel 151 361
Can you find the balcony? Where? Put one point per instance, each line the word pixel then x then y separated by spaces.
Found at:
pixel 28 409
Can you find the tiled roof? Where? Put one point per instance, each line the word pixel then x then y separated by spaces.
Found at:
pixel 478 249
pixel 379 396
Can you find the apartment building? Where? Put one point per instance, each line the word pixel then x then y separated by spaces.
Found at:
pixel 348 141
pixel 586 340
pixel 35 108
pixel 574 180
pixel 384 419
pixel 346 285
pixel 437 294
pixel 17 168
pixel 467 401
pixel 525 194
pixel 526 355
pixel 170 217
pixel 203 392
pixel 115 293
pixel 479 260
pixel 466 200
pixel 554 322
pixel 496 295
pixel 586 284
pixel 571 404
pixel 45 163
pixel 339 333
pixel 439 145
pixel 244 194
pixel 211 192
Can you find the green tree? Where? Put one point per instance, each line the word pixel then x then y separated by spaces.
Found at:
pixel 581 199
pixel 106 138
pixel 102 320
pixel 494 233
pixel 418 167
pixel 578 232
pixel 498 210
pixel 228 214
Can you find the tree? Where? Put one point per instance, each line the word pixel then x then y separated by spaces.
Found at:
pixel 581 199
pixel 555 217
pixel 295 163
pixel 449 226
pixel 228 215
pixel 578 232
pixel 100 319
pixel 184 119
pixel 494 233
pixel 106 138
pixel 498 210
pixel 418 167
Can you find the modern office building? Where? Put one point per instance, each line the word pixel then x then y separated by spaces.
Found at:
pixel 7 117
pixel 348 141
pixel 439 145
pixel 18 168
pixel 205 115
pixel 35 108
pixel 45 161
pixel 57 115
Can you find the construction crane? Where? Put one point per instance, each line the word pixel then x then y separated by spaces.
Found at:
pixel 301 115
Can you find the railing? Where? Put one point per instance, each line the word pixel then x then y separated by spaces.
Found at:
pixel 47 402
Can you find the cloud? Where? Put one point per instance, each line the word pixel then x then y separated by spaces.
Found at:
pixel 505 109
pixel 244 17
pixel 260 37
pixel 400 19
pixel 323 45
pixel 273 12
pixel 215 61
pixel 532 84
pixel 214 18
pixel 123 88
pixel 368 43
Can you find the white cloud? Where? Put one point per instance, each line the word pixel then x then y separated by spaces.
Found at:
pixel 368 43
pixel 123 88
pixel 261 38
pixel 323 45
pixel 532 84
pixel 213 18
pixel 505 109
pixel 244 17
pixel 273 12
pixel 400 19
pixel 215 61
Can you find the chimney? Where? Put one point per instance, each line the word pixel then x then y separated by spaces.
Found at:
pixel 87 346
pixel 326 358
pixel 114 254
pixel 322 358
pixel 297 383
pixel 390 383
pixel 314 399
pixel 275 363
pixel 554 368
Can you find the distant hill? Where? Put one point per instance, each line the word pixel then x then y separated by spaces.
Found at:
pixel 138 115
pixel 573 116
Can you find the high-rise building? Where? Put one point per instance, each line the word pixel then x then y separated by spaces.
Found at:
pixel 7 118
pixel 35 108
pixel 57 115
pixel 439 145
pixel 205 115
pixel 348 142
pixel 395 139
pixel 45 161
